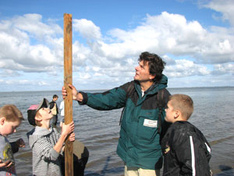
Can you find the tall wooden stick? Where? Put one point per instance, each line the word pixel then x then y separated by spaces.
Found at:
pixel 68 99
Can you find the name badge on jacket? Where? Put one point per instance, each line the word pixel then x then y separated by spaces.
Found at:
pixel 150 123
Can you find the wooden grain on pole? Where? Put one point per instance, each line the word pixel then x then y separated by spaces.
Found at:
pixel 68 99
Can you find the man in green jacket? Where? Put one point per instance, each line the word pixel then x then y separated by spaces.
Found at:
pixel 139 142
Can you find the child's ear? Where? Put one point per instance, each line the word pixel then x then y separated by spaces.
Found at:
pixel 177 114
pixel 37 118
pixel 2 120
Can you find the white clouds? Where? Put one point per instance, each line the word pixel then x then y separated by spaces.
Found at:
pixel 172 34
pixel 225 7
pixel 26 43
pixel 23 82
pixel 30 44
pixel 184 68
pixel 225 46
pixel 33 25
pixel 87 29
pixel 220 69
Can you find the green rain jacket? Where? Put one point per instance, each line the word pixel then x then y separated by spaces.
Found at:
pixel 139 142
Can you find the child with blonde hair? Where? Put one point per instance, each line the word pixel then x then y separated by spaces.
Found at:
pixel 10 119
pixel 185 149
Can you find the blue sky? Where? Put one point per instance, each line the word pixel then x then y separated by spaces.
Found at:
pixel 194 37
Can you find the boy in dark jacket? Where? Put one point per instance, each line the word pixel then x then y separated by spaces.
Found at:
pixel 54 110
pixel 185 149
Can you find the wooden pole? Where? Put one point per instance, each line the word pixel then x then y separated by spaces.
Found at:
pixel 68 80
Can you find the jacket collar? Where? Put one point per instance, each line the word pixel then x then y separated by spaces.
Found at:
pixel 154 88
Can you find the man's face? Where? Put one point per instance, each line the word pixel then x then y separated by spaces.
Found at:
pixel 142 72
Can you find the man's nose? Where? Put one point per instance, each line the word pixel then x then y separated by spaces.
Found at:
pixel 136 68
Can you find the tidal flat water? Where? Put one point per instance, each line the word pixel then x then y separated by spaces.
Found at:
pixel 99 130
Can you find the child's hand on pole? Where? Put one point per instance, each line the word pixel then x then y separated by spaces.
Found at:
pixel 72 137
pixel 67 129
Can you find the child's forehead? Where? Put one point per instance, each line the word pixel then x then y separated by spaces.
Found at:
pixel 18 121
pixel 41 109
pixel 15 121
pixel 169 102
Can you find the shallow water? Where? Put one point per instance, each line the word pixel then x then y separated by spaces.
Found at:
pixel 99 130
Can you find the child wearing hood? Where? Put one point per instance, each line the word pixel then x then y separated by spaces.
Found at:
pixel 46 142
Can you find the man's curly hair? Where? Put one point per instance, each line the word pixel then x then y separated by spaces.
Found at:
pixel 155 63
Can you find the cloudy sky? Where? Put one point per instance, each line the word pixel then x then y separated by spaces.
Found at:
pixel 194 37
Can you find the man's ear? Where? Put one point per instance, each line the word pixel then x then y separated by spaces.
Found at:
pixel 2 120
pixel 151 77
